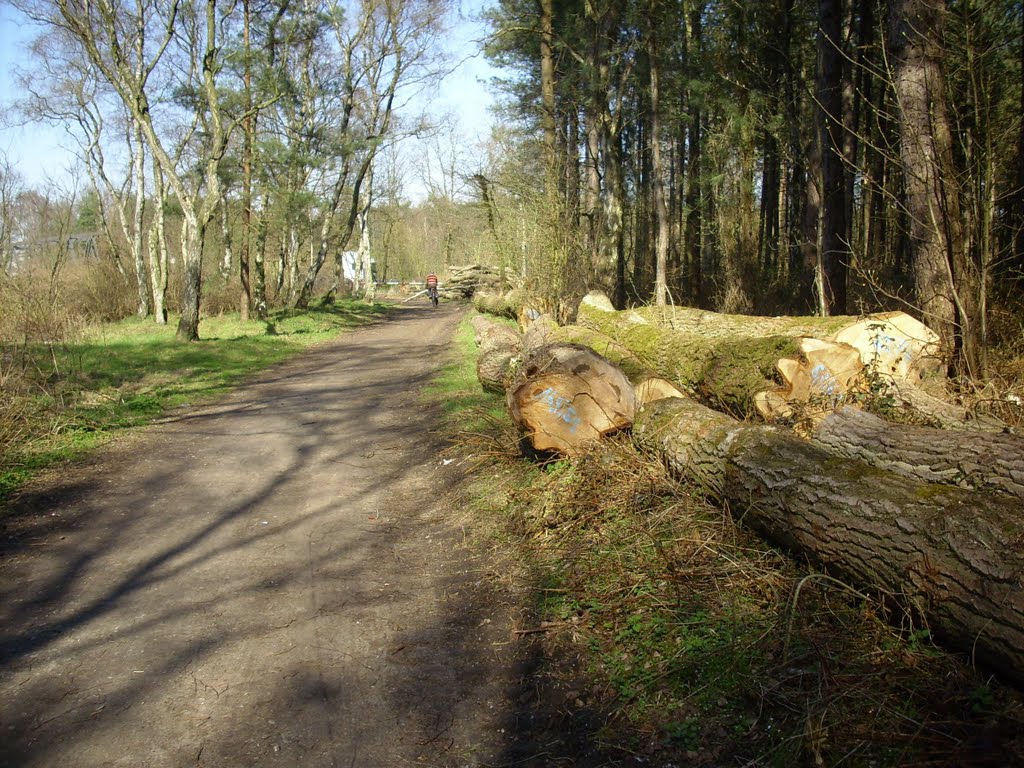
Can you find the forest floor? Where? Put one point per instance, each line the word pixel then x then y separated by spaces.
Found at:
pixel 274 579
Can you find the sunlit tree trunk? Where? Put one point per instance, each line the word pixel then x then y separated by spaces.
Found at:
pixel 158 248
pixel 833 255
pixel 657 167
pixel 693 204
pixel 946 288
pixel 138 254
pixel 227 241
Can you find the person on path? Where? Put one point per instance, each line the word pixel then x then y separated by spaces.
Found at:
pixel 432 287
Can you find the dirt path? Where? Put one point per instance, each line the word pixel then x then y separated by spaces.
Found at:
pixel 266 581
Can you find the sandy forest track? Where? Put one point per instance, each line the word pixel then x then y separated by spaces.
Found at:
pixel 266 581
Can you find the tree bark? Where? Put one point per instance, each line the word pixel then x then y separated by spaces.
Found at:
pixel 988 462
pixel 138 255
pixel 245 301
pixel 158 248
pixel 943 281
pixel 950 558
pixel 657 168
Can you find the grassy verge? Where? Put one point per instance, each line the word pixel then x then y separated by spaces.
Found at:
pixel 64 399
pixel 700 644
pixel 465 408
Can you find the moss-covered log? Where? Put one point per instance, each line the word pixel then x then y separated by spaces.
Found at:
pixel 951 557
pixel 726 370
pixel 566 396
pixel 989 462
pixel 775 367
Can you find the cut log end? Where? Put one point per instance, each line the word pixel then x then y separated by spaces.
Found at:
pixel 567 396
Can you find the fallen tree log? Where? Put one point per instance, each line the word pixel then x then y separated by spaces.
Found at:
pixel 988 462
pixel 773 367
pixel 467 280
pixel 498 304
pixel 499 344
pixel 949 557
pixel 567 396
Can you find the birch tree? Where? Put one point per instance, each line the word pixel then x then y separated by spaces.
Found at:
pixel 137 48
pixel 388 49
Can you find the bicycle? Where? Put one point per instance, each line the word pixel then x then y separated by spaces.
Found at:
pixel 432 295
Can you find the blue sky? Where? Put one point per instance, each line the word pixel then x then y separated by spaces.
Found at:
pixel 40 154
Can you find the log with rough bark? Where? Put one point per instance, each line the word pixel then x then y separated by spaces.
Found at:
pixel 776 367
pixel 953 558
pixel 566 397
pixel 988 462
pixel 498 344
pixel 499 304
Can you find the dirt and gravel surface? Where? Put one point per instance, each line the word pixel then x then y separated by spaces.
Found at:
pixel 272 580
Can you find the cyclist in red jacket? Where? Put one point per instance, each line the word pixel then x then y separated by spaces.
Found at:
pixel 432 288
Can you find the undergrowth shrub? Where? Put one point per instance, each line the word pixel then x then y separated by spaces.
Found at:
pixel 98 292
pixel 35 309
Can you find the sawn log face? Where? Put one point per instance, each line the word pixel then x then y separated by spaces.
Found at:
pixel 951 557
pixel 566 396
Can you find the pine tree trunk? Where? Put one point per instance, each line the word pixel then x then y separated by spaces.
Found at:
pixel 657 169
pixel 914 33
pixel 834 257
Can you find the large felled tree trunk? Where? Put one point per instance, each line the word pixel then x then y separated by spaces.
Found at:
pixel 989 462
pixel 757 366
pixel 949 557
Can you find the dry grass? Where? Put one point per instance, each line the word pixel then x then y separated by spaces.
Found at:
pixel 704 646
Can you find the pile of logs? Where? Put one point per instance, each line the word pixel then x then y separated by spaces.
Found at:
pixel 933 523
pixel 465 281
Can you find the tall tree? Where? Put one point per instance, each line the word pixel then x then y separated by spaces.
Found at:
pixel 127 46
pixel 943 285
pixel 833 258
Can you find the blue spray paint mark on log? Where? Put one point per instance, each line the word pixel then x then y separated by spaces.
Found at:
pixel 560 407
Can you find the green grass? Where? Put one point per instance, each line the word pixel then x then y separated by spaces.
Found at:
pixel 465 406
pixel 75 396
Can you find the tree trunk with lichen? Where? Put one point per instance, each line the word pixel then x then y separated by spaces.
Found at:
pixel 725 360
pixel 949 557
pixel 988 462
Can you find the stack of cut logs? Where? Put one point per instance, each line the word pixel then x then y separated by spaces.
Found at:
pixel 464 282
pixel 930 517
